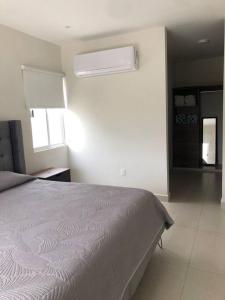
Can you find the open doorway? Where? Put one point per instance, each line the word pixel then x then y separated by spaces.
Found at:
pixel 195 111
pixel 197 127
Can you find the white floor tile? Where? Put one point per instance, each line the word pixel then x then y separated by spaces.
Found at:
pixel 204 286
pixel 209 252
pixel 192 264
pixel 185 214
pixel 177 243
pixel 161 282
pixel 212 218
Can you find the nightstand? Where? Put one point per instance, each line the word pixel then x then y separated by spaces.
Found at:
pixel 54 174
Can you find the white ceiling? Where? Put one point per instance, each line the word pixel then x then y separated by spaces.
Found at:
pixel 186 20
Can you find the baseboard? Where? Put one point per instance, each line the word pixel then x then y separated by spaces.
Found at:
pixel 203 170
pixel 223 203
pixel 163 198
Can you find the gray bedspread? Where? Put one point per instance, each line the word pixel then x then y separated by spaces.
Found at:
pixel 70 241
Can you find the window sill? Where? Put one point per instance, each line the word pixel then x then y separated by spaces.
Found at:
pixel 42 149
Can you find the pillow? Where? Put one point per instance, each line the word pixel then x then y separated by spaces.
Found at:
pixel 9 179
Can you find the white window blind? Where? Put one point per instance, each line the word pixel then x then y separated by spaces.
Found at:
pixel 43 89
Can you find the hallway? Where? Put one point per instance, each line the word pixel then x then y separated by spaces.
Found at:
pixel 192 264
pixel 196 186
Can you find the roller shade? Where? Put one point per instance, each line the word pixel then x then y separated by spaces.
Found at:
pixel 43 89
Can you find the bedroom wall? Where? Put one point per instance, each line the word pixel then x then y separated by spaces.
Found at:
pixel 170 71
pixel 223 167
pixel 199 72
pixel 120 121
pixel 17 49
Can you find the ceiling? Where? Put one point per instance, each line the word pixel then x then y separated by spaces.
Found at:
pixel 183 40
pixel 186 20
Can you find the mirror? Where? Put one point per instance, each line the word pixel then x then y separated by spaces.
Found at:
pixel 209 141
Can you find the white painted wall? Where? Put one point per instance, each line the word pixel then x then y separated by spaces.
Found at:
pixel 223 167
pixel 17 49
pixel 199 72
pixel 121 120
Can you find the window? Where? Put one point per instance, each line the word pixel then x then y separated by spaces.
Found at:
pixel 45 98
pixel 47 127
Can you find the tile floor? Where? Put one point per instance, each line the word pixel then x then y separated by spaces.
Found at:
pixel 192 264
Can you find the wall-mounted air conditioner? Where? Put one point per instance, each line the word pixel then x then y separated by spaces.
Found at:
pixel 106 62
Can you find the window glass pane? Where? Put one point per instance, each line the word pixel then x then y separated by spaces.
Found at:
pixel 56 125
pixel 39 128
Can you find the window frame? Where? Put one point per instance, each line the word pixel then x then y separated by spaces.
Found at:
pixel 49 146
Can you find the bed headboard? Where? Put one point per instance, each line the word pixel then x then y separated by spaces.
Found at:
pixel 11 147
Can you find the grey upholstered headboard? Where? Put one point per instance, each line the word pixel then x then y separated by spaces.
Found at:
pixel 11 147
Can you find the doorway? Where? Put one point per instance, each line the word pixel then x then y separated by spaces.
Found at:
pixel 195 114
pixel 197 127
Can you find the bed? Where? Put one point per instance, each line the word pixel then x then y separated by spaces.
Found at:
pixel 71 241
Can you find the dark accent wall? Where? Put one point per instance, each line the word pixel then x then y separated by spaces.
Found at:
pixel 212 106
pixel 187 135
pixel 186 131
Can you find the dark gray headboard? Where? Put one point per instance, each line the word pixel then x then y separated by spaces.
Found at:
pixel 11 147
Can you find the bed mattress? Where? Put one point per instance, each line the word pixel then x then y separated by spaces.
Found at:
pixel 71 241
